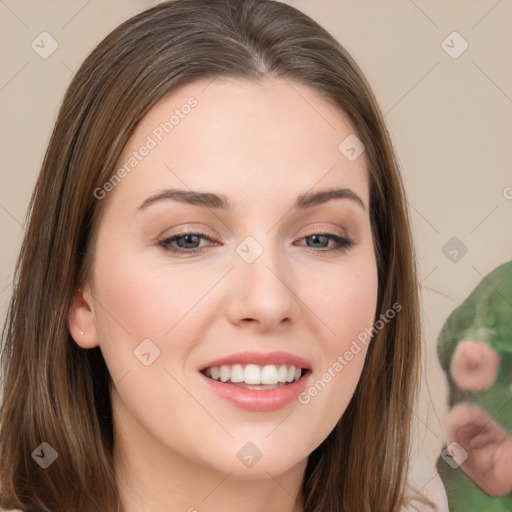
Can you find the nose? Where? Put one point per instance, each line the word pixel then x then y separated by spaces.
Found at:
pixel 262 290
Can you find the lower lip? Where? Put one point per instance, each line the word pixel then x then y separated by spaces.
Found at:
pixel 264 400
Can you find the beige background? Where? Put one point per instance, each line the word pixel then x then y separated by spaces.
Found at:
pixel 450 120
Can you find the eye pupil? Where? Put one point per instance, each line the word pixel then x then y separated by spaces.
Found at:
pixel 187 238
pixel 316 237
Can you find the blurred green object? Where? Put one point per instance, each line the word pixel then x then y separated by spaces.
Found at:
pixel 485 316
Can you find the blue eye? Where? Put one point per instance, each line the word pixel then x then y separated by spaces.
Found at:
pixel 343 244
pixel 189 237
pixel 187 242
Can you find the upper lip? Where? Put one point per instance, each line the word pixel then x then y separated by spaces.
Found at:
pixel 259 358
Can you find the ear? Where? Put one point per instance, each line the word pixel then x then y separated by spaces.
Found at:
pixel 81 318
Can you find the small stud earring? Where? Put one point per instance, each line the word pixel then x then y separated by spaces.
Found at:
pixel 81 332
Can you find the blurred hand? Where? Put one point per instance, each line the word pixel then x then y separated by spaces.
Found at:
pixel 489 448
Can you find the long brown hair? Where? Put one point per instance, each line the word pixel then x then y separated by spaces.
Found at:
pixel 56 392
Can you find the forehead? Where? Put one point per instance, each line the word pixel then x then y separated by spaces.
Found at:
pixel 241 139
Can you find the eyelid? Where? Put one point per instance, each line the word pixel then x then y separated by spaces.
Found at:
pixel 325 231
pixel 190 229
pixel 342 241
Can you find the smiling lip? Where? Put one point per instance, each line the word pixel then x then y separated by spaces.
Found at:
pixel 259 400
pixel 260 359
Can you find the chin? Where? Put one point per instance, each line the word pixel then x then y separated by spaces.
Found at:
pixel 264 468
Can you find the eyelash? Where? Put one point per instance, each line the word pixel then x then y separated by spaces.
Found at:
pixel 344 244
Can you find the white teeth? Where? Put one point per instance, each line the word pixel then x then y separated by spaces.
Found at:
pixel 282 373
pixel 225 373
pixel 254 374
pixel 237 373
pixel 269 375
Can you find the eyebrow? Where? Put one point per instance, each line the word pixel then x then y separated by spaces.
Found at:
pixel 221 202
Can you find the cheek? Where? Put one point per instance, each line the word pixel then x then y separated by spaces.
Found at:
pixel 145 333
pixel 142 298
pixel 347 307
pixel 346 303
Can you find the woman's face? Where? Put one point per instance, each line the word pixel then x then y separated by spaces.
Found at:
pixel 262 290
